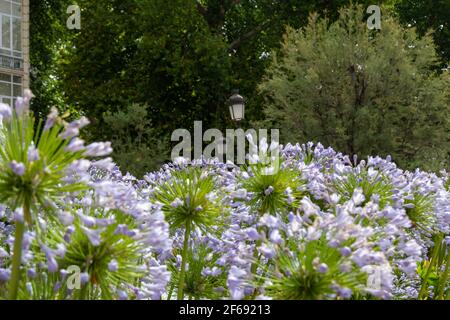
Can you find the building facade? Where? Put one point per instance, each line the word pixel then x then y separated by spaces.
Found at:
pixel 14 49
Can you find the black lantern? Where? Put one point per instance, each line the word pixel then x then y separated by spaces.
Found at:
pixel 237 106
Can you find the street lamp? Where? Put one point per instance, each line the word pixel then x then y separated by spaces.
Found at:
pixel 237 106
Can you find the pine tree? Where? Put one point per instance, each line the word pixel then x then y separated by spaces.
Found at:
pixel 365 92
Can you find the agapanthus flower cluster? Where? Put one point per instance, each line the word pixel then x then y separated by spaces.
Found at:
pixel 304 254
pixel 40 162
pixel 63 218
pixel 111 233
pixel 296 222
pixel 398 212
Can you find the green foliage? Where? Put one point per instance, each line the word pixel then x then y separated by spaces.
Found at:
pixel 180 57
pixel 48 35
pixel 253 29
pixel 435 272
pixel 137 148
pixel 361 91
pixel 428 16
pixel 151 52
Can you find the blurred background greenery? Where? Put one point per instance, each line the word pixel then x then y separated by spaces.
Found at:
pixel 138 69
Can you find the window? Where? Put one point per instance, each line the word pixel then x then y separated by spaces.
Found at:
pixel 6 32
pixel 10 88
pixel 11 28
pixel 10 50
pixel 5 7
pixel 17 34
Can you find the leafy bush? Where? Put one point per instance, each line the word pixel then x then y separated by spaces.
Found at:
pixel 138 148
pixel 361 91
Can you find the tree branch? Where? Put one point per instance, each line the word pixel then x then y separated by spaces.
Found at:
pixel 215 16
pixel 236 43
pixel 201 9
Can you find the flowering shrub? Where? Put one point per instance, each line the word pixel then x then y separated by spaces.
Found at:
pixel 64 215
pixel 321 226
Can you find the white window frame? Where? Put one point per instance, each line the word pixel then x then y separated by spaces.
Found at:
pixel 11 51
pixel 12 97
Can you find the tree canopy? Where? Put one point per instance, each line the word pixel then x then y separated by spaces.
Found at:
pixel 361 91
pixel 181 59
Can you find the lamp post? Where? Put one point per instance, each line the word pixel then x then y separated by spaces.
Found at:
pixel 236 104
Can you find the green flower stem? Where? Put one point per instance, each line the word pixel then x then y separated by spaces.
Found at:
pixel 17 259
pixel 84 293
pixel 434 256
pixel 187 232
pixel 254 266
pixel 172 286
pixel 256 257
pixel 261 278
pixel 444 278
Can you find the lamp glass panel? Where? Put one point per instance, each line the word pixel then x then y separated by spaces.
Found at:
pixel 238 110
pixel 231 112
